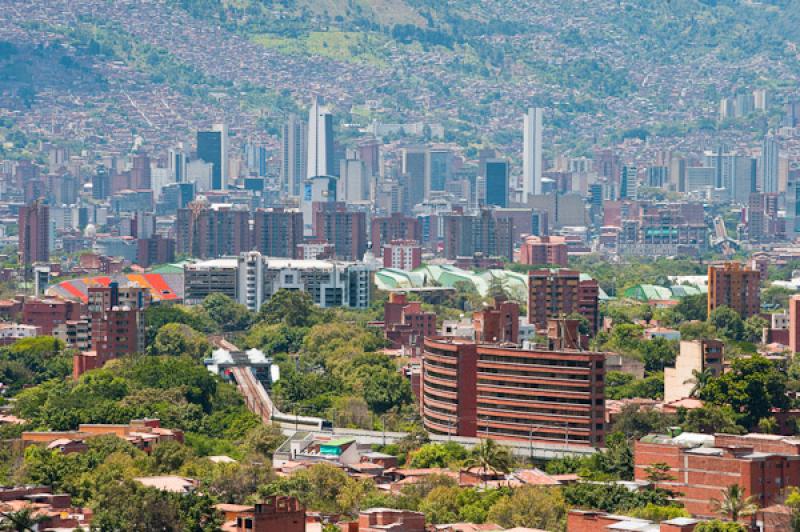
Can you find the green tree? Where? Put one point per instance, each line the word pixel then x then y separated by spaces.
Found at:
pixel 657 513
pixel 635 421
pixel 728 323
pixel 386 389
pixel 24 520
pixel 488 456
pixel 691 308
pixel 294 308
pixel 132 507
pixel 734 504
pixel 719 526
pixel 531 507
pixel 753 328
pixel 438 455
pixel 711 419
pixel 227 313
pixel 753 387
pixel 699 380
pixel 177 339
pixel 170 455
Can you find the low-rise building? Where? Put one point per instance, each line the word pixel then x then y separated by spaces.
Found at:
pixel 695 356
pixel 142 433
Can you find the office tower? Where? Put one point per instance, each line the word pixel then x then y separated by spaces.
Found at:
pixel 176 164
pixel 744 104
pixel 793 207
pixel 320 141
pixel 438 170
pixel 294 155
pixel 277 232
pixel 559 293
pixel 209 231
pixel 761 99
pixel 532 153
pixel 369 151
pixel 476 380
pixel 354 179
pixel 101 183
pixel 791 114
pixel 734 286
pixel 394 227
pixel 769 165
pixel 141 178
pixel 212 147
pixel 155 250
pixel 34 233
pixel 496 182
pixel 414 165
pixel 657 176
pixel 700 178
pixel 677 173
pixel 629 183
pixel 320 189
pixel 346 230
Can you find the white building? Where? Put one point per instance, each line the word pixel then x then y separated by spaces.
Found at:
pixel 532 152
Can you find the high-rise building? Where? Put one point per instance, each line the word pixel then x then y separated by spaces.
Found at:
pixel 394 227
pixel 277 232
pixel 438 170
pixel 320 141
pixel 629 183
pixel 176 164
pixel 155 250
pixel 793 207
pixel 294 155
pixel 414 171
pixel 794 324
pixel 346 230
pixel 472 389
pixel 485 233
pixel 354 180
pixel 212 148
pixel 532 152
pixel 496 182
pixel 769 165
pixel 208 231
pixel 735 286
pixel 559 293
pixel 141 178
pixel 34 233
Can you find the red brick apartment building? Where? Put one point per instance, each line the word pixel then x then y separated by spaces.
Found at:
pixel 404 322
pixel 275 514
pixel 559 293
pixel 732 285
pixel 543 250
pixel 505 392
pixel 48 313
pixel 702 466
pixel 590 521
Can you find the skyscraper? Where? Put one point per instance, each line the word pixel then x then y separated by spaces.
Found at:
pixel 212 147
pixel 497 182
pixel 769 165
pixel 532 152
pixel 293 161
pixel 176 164
pixel 629 183
pixel 414 171
pixel 34 233
pixel 320 141
pixel 438 168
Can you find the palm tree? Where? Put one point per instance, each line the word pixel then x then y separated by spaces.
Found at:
pixel 700 380
pixel 21 521
pixel 489 455
pixel 734 504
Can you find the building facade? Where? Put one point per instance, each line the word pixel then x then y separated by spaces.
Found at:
pixel 734 286
pixel 493 391
pixel 559 293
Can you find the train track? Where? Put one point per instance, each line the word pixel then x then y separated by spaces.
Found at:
pixel 255 396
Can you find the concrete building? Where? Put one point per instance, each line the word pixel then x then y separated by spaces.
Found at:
pixel 770 155
pixel 505 392
pixel 207 230
pixel 394 227
pixel 735 286
pixel 695 355
pixel 559 293
pixel 486 233
pixel 277 232
pixel 532 152
pixel 702 466
pixel 252 279
pixel 34 233
pixel 346 230
pixel 402 255
pixel 293 161
pixel 544 250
